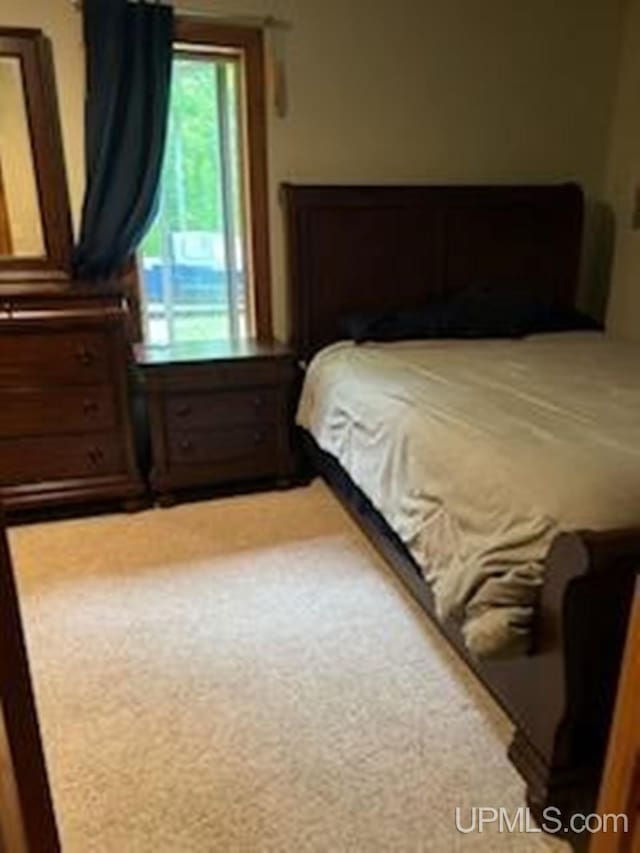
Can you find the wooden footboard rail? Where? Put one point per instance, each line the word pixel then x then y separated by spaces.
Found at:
pixel 561 696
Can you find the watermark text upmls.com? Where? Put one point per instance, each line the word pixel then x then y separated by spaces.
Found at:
pixel 482 818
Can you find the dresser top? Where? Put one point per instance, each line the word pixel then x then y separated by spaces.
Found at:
pixel 209 351
pixel 63 289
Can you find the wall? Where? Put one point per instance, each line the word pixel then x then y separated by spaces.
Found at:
pixel 408 91
pixel 623 177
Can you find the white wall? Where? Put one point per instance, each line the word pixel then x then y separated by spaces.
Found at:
pixel 622 180
pixel 409 91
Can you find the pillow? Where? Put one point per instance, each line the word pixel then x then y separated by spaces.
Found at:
pixel 479 312
pixel 547 318
pixel 407 324
pixel 485 312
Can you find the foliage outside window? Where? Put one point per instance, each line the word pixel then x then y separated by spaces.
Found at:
pixel 195 258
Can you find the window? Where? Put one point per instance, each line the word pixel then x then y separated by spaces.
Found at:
pixel 205 261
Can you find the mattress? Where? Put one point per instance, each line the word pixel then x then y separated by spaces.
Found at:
pixel 478 453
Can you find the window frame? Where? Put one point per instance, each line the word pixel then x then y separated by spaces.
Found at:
pixel 249 42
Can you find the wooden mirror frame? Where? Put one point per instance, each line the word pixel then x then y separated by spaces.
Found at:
pixel 33 50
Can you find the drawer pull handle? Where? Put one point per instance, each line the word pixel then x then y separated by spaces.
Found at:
pixel 187 445
pixel 258 436
pixel 85 356
pixel 96 456
pixel 258 401
pixel 184 410
pixel 90 407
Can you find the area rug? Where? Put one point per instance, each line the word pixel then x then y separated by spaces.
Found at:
pixel 246 674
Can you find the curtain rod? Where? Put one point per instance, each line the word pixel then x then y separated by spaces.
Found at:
pixel 267 22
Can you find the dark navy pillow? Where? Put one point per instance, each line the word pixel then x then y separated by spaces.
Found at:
pixel 479 312
pixel 407 324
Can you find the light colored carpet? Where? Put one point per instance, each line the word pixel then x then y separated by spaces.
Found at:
pixel 247 675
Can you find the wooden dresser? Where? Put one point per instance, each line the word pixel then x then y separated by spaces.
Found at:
pixel 65 432
pixel 220 415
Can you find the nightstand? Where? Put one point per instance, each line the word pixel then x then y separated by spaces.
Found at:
pixel 220 415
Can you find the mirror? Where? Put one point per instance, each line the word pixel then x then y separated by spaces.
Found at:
pixel 20 216
pixel 35 220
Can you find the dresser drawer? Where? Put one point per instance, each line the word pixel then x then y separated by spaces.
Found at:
pixel 221 409
pixel 27 412
pixel 213 446
pixel 72 358
pixel 42 459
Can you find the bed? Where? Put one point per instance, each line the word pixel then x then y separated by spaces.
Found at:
pixel 378 248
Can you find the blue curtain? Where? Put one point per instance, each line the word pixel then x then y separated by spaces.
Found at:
pixel 128 54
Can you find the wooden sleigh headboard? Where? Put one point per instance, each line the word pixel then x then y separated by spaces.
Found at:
pixel 373 248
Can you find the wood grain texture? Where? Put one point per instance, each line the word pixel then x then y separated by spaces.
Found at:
pixel 6 239
pixel 219 415
pixel 21 726
pixel 65 428
pixel 248 43
pixel 33 50
pixel 620 792
pixel 12 833
pixel 374 248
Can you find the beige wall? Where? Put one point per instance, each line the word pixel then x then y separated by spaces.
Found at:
pixel 409 90
pixel 622 180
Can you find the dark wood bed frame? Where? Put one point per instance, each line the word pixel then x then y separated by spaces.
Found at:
pixel 374 248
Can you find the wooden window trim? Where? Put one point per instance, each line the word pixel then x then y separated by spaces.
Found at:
pixel 250 42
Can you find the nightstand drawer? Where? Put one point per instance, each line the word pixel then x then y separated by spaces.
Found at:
pixel 74 358
pixel 27 412
pixel 220 415
pixel 221 376
pixel 36 460
pixel 239 374
pixel 222 409
pixel 213 446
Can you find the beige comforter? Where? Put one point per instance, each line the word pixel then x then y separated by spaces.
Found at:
pixel 478 453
